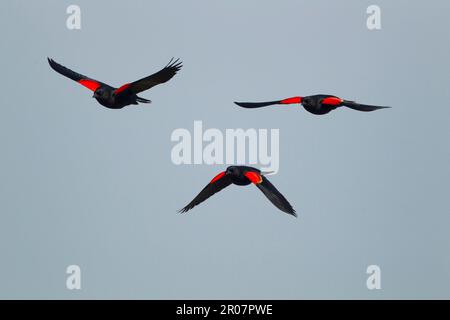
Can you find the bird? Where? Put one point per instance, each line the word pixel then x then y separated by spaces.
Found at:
pixel 117 98
pixel 317 104
pixel 242 176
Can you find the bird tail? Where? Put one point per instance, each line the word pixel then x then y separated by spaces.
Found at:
pixel 142 100
pixel 362 107
pixel 269 103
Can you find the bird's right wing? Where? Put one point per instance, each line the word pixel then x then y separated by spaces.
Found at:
pixel 268 103
pixel 275 196
pixel 361 107
pixel 219 182
pixel 163 75
pixel 81 79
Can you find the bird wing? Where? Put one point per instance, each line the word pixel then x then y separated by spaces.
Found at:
pixel 251 105
pixel 81 79
pixel 268 103
pixel 332 101
pixel 271 192
pixel 163 75
pixel 361 107
pixel 219 182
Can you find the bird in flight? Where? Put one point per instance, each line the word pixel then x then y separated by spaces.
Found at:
pixel 316 104
pixel 242 176
pixel 117 98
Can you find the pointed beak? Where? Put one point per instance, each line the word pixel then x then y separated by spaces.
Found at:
pixel 267 173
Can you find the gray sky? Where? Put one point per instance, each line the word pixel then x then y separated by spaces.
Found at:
pixel 85 185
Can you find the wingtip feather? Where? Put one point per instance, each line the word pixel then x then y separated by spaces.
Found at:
pixel 183 210
pixel 175 64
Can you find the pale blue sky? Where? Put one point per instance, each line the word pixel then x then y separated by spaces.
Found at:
pixel 85 185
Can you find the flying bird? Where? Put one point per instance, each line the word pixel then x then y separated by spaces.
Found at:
pixel 316 104
pixel 242 176
pixel 117 98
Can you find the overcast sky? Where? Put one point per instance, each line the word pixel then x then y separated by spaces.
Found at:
pixel 85 185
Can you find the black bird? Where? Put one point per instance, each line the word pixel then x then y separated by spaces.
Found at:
pixel 242 176
pixel 117 98
pixel 316 104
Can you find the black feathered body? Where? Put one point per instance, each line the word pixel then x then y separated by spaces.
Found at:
pixel 237 174
pixel 314 104
pixel 112 101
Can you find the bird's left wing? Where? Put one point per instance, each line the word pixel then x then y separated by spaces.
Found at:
pixel 81 79
pixel 269 103
pixel 218 183
pixel 361 107
pixel 271 192
pixel 163 75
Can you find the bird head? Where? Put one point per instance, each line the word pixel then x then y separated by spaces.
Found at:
pixel 307 101
pixel 232 171
pixel 98 93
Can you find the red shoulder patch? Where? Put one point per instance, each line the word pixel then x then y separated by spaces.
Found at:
pixel 122 88
pixel 333 101
pixel 218 177
pixel 90 84
pixel 254 177
pixel 291 100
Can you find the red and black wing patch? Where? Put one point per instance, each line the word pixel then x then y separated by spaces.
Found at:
pixel 361 107
pixel 269 103
pixel 254 177
pixel 218 183
pixel 271 192
pixel 332 101
pixel 159 77
pixel 89 83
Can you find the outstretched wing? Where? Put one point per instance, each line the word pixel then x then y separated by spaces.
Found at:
pixel 81 79
pixel 269 103
pixel 271 192
pixel 219 182
pixel 159 77
pixel 361 107
pixel 251 105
